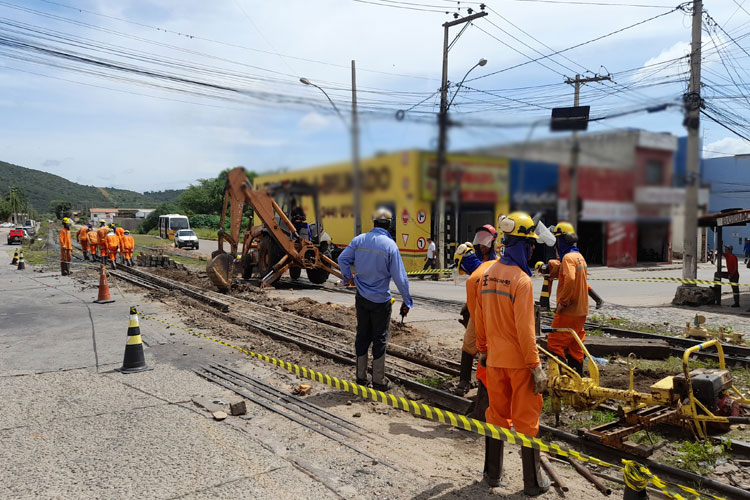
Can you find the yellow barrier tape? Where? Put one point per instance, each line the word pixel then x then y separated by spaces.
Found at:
pixel 670 280
pixel 429 271
pixel 442 416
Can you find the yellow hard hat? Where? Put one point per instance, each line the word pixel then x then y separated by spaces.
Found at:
pixel 102 221
pixel 462 251
pixel 66 220
pixel 563 228
pixel 517 224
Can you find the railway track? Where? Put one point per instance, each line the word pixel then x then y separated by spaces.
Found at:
pixel 404 365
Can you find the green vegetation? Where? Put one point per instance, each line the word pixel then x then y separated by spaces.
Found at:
pixel 152 221
pixel 60 208
pixel 645 437
pixel 698 456
pixel 591 418
pixel 42 188
pixel 627 324
pixel 205 233
pixel 437 381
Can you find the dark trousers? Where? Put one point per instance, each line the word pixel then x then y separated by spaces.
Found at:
pixel 430 264
pixel 735 278
pixel 373 326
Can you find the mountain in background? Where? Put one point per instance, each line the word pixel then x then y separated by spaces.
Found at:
pixel 42 187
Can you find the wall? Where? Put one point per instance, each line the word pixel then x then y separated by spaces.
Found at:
pixel 728 179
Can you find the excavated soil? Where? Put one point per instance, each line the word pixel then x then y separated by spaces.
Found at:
pixel 617 376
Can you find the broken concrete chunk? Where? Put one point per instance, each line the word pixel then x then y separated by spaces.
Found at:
pixel 238 408
pixel 219 415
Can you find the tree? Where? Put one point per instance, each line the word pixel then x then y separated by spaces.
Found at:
pixel 207 195
pixel 60 208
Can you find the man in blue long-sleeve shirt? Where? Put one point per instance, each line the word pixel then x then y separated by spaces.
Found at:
pixel 377 260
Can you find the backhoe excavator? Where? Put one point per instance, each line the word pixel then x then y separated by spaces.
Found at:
pixel 271 248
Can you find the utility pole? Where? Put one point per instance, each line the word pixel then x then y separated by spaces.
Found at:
pixel 693 103
pixel 357 176
pixel 438 223
pixel 576 149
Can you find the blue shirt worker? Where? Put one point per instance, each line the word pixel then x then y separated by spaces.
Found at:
pixel 376 260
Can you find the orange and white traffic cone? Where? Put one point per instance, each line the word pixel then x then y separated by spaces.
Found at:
pixel 15 258
pixel 104 297
pixel 134 359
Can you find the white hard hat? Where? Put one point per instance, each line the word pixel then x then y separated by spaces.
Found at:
pixel 382 214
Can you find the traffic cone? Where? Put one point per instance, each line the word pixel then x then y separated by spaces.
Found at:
pixel 15 258
pixel 21 264
pixel 544 297
pixel 104 297
pixel 134 360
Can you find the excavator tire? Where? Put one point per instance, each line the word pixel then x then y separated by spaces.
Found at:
pixel 269 253
pixel 295 272
pixel 247 266
pixel 320 276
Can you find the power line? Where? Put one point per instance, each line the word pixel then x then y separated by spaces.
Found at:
pixel 400 6
pixel 598 4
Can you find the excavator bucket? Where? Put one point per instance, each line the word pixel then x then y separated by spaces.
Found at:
pixel 220 270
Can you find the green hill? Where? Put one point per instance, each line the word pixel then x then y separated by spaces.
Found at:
pixel 42 187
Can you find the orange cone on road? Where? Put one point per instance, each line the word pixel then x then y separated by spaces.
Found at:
pixel 104 297
pixel 134 360
pixel 21 264
pixel 15 258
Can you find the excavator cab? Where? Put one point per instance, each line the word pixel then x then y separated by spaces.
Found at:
pixel 277 244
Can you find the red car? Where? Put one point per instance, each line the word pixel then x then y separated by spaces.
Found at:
pixel 15 236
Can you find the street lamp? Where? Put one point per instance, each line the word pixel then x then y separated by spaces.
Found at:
pixel 354 132
pixel 439 227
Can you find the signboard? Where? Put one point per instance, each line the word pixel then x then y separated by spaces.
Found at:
pixel 478 179
pixel 421 216
pixel 421 243
pixel 405 217
pixel 729 220
pixel 572 118
pixel 405 237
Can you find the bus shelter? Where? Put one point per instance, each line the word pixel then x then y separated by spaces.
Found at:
pixel 718 222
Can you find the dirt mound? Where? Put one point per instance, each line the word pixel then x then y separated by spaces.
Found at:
pixel 617 377
pixel 194 278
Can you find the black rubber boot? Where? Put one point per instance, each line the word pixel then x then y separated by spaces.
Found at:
pixel 67 269
pixel 481 403
pixel 85 256
pixel 379 381
pixel 535 481
pixel 464 379
pixel 575 364
pixel 599 301
pixel 62 269
pixel 493 462
pixel 362 377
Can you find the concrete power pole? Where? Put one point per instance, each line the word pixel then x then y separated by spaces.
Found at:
pixel 438 223
pixel 576 149
pixel 692 122
pixel 357 175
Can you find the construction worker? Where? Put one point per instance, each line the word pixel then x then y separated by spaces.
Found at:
pixel 127 244
pixel 377 260
pixel 83 240
pixel 552 270
pixel 93 238
pixel 113 244
pixel 483 252
pixel 504 321
pixel 120 232
pixel 572 298
pixel 66 248
pixel 732 273
pixel 101 234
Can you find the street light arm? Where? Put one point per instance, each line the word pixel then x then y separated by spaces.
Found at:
pixel 329 100
pixel 481 62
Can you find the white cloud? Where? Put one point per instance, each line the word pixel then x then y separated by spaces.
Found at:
pixel 313 122
pixel 650 70
pixel 727 146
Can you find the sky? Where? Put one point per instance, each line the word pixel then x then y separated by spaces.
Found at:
pixel 212 85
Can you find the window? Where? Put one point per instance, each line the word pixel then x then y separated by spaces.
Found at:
pixel 654 173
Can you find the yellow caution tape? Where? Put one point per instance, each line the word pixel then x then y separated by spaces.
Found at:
pixel 429 271
pixel 671 280
pixel 444 416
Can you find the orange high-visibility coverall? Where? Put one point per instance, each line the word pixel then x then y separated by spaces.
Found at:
pixel 128 244
pixel 120 232
pixel 93 238
pixel 572 306
pixel 66 247
pixel 470 336
pixel 82 239
pixel 504 316
pixel 102 233
pixel 113 243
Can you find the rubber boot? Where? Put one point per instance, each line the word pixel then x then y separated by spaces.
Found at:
pixel 112 264
pixel 464 379
pixel 481 403
pixel 575 364
pixel 379 381
pixel 62 268
pixel 535 481
pixel 85 256
pixel 67 268
pixel 493 462
pixel 596 297
pixel 362 378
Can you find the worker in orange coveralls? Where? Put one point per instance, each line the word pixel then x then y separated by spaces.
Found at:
pixel 101 234
pixel 572 298
pixel 120 232
pixel 83 240
pixel 113 244
pixel 93 238
pixel 66 248
pixel 127 243
pixel 552 269
pixel 504 321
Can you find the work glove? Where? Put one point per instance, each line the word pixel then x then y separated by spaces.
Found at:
pixel 464 320
pixel 540 379
pixel 404 310
pixel 483 358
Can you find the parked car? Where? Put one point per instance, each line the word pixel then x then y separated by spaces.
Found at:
pixel 16 235
pixel 186 238
pixel 6 224
pixel 29 229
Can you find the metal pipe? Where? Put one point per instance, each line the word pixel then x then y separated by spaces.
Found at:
pixel 552 473
pixel 590 477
